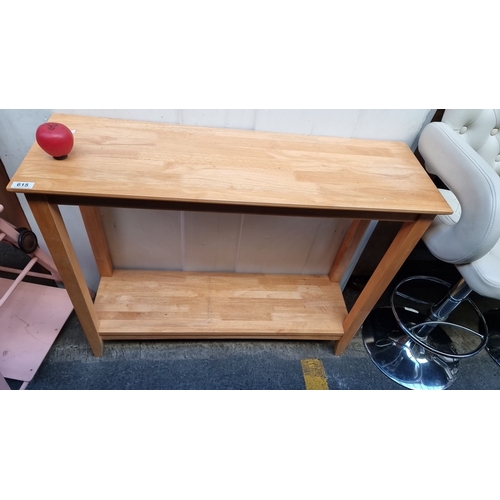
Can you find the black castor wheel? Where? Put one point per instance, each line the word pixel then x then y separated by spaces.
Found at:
pixel 27 240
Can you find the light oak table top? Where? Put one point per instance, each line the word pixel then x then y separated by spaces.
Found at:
pixel 134 160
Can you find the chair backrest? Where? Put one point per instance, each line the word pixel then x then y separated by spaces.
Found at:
pixel 475 228
pixel 480 128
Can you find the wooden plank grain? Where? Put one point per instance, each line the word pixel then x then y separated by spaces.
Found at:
pixel 97 238
pixel 211 305
pixel 124 159
pixel 347 249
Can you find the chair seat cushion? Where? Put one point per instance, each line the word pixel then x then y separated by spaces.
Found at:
pixel 482 275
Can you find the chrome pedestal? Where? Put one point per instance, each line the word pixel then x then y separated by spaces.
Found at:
pixel 493 345
pixel 401 358
pixel 411 347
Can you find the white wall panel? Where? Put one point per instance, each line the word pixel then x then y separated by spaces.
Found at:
pixel 211 241
pixel 327 240
pixel 400 125
pixel 340 123
pixel 229 118
pixel 150 239
pixel 215 242
pixel 274 244
pixel 152 115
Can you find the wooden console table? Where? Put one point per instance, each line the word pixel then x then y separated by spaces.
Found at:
pixel 135 164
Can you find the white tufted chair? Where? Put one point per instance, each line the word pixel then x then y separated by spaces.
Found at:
pixel 463 150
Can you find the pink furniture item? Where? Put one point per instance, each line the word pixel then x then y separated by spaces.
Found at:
pixel 31 315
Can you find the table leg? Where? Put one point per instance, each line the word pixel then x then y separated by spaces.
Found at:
pixel 53 229
pixel 347 250
pixel 97 238
pixel 404 242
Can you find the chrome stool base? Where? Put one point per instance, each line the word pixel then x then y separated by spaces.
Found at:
pixel 408 341
pixel 401 359
pixel 493 345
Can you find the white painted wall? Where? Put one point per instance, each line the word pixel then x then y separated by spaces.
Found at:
pixel 215 242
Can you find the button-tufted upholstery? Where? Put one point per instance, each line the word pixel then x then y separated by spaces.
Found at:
pixel 480 129
pixel 464 152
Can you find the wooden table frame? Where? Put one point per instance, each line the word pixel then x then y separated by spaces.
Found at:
pixel 44 202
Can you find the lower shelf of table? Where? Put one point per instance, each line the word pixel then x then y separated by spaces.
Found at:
pixel 192 305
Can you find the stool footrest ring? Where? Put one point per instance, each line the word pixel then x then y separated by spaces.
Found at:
pixel 411 331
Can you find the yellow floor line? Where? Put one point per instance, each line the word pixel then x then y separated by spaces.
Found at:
pixel 314 375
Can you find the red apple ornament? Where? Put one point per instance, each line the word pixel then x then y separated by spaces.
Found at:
pixel 55 139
